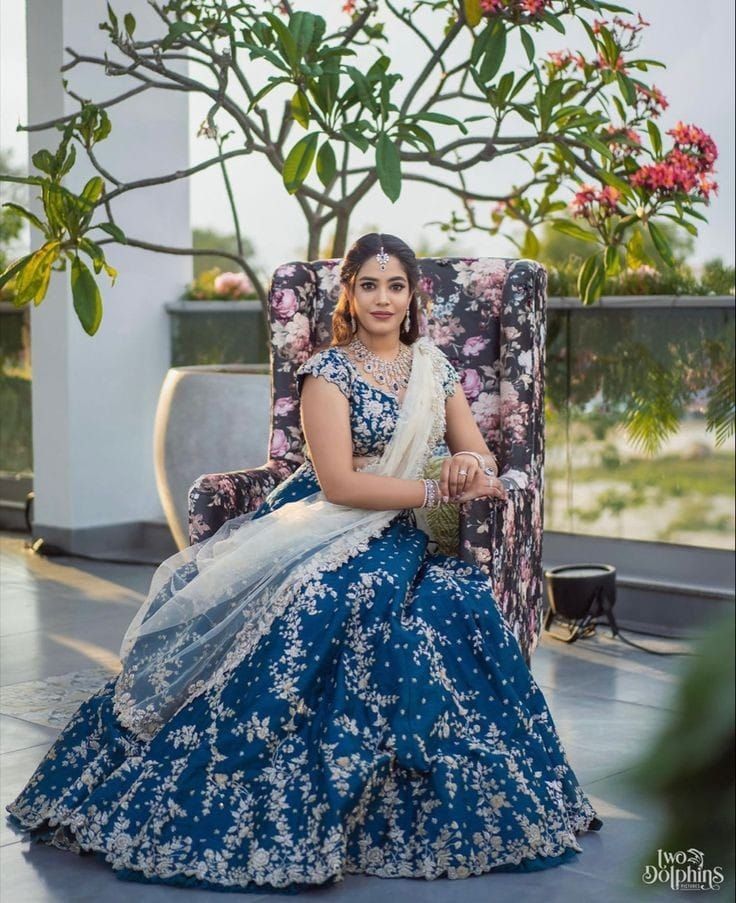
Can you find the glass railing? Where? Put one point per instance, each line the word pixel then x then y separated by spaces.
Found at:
pixel 630 386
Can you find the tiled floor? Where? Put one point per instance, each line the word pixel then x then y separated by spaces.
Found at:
pixel 64 618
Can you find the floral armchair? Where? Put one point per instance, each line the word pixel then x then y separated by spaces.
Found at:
pixel 489 317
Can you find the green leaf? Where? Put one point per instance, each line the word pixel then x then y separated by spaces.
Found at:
pixel 614 181
pixel 530 246
pixel 14 267
pixel 612 260
pixel 26 214
pixel 655 137
pixel 129 21
pixel 307 30
pixel 299 161
pixel 596 144
pixel 273 82
pixel 45 161
pixel 68 162
pixel 300 108
pixel 354 135
pixel 573 230
pixel 473 12
pixel 326 164
pixel 111 229
pixel 661 244
pixel 528 44
pixel 288 44
pixel 86 296
pixel 553 22
pixel 33 280
pixel 388 166
pixel 495 53
pixel 591 278
pixel 439 118
pixel 364 89
pixel 113 18
pixel 627 88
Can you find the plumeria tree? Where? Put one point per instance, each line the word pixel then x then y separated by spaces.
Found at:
pixel 333 114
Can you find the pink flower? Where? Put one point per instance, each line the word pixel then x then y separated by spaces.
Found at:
pixel 474 345
pixel 285 303
pixel 232 285
pixel 279 444
pixel 590 200
pixel 471 383
pixel 283 406
pixel 485 410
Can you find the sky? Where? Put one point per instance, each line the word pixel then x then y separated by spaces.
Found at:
pixel 696 42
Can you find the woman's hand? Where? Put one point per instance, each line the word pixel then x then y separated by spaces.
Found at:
pixel 483 486
pixel 462 479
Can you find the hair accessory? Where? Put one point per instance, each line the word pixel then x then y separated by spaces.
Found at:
pixel 382 258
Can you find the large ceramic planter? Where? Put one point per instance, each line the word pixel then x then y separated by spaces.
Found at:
pixel 210 419
pixel 217 332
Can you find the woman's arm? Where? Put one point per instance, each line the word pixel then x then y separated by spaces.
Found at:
pixel 325 414
pixel 462 434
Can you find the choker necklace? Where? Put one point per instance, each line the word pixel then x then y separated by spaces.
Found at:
pixel 393 374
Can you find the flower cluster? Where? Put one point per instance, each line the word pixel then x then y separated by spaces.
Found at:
pixel 685 168
pixel 530 7
pixel 594 203
pixel 650 101
pixel 619 148
pixel 213 285
pixel 233 285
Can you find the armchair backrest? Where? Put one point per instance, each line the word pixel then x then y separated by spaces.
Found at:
pixel 487 314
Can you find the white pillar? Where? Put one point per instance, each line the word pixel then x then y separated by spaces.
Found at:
pixel 94 397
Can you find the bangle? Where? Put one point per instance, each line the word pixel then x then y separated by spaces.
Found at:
pixel 431 494
pixel 481 461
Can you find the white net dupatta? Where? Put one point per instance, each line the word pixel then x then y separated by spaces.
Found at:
pixel 208 605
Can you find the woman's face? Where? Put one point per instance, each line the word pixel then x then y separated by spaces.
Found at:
pixel 378 291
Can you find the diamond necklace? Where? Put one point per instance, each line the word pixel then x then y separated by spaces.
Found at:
pixel 394 374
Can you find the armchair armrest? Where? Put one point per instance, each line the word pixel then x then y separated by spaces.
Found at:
pixel 504 539
pixel 218 497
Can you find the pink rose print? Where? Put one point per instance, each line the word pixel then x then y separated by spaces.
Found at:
pixel 283 405
pixel 285 303
pixel 474 345
pixel 471 383
pixel 279 444
pixel 485 411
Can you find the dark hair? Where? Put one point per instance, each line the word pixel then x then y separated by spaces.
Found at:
pixel 366 246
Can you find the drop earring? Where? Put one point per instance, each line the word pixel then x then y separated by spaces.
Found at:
pixel 352 322
pixel 407 319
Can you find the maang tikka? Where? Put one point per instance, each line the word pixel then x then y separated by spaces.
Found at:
pixel 382 258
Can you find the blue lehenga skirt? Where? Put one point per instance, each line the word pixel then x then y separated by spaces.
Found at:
pixel 387 724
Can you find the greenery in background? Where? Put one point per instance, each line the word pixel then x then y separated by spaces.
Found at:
pixel 642 273
pixel 11 221
pixel 347 121
pixel 678 497
pixel 210 241
pixel 644 372
pixel 689 768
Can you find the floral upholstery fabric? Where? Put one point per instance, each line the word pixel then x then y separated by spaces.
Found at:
pixel 488 316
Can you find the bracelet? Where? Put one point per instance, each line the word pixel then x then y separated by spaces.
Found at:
pixel 431 494
pixel 481 462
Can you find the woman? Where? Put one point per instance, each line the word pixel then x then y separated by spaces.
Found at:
pixel 309 692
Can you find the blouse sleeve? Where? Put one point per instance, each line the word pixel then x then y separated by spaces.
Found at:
pixel 450 376
pixel 329 366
